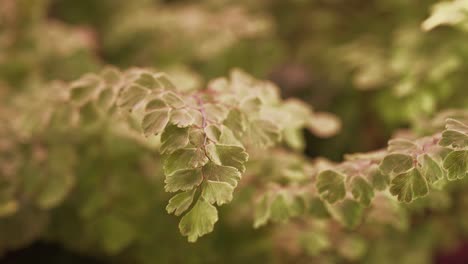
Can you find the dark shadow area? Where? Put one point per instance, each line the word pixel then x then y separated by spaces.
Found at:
pixel 42 252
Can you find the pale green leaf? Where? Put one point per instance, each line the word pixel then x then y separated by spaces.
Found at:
pixel 217 192
pixel 232 156
pixel 84 89
pixel 330 185
pixel 174 138
pixel 180 202
pixel 215 172
pixel 394 164
pixel 215 112
pixel 173 100
pixel 154 122
pixel 453 124
pixel 409 186
pixel 155 104
pixel 182 159
pixel 131 96
pixel 362 190
pixel 183 180
pixel 318 209
pixel 401 144
pixel 198 221
pixel 455 139
pixel 456 164
pixel 379 180
pixel 263 133
pixel 430 169
pixel 251 105
pixel 348 212
pixel 262 211
pixel 181 118
pixel 213 132
pixel 236 121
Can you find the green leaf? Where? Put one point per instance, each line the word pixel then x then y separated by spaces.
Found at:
pixel 455 139
pixel 236 121
pixel 183 180
pixel 279 211
pixel 262 211
pixel 215 172
pixel 362 190
pixel 154 122
pixel 132 96
pixel 182 159
pixel 394 164
pixel 232 156
pixel 165 82
pixel 84 89
pixel 173 138
pixel 400 144
pixel 198 221
pixel 227 138
pixel 318 209
pixel 179 203
pixel 217 192
pixel 330 185
pixel 215 113
pixel 379 180
pixel 213 132
pixel 155 104
pixel 409 186
pixel 251 105
pixel 196 136
pixel 453 124
pixel 148 81
pixel 430 169
pixel 173 100
pixel 181 118
pixel 348 212
pixel 263 133
pixel 456 164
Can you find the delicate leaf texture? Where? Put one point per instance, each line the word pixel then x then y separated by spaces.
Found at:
pixel 154 122
pixel 199 220
pixel 183 180
pixel 131 96
pixel 394 164
pixel 204 138
pixel 214 172
pixel 397 145
pixel 217 192
pixel 182 159
pixel 229 156
pixel 456 164
pixel 180 202
pixel 362 190
pixel 455 139
pixel 237 122
pixel 173 100
pixel 409 186
pixel 330 185
pixel 174 138
pixel 181 118
pixel 430 169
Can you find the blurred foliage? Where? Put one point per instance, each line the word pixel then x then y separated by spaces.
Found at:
pixel 97 188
